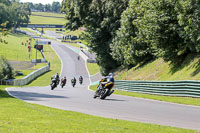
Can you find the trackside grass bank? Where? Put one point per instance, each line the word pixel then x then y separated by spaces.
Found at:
pixel 93 68
pixel 55 66
pixel 180 100
pixel 17 116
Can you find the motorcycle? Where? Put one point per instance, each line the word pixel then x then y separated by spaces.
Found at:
pixel 81 80
pixel 104 90
pixel 73 82
pixel 63 82
pixel 53 84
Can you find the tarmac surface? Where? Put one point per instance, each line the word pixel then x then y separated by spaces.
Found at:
pixel 80 99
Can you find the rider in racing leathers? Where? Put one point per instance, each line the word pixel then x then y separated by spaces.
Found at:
pixel 109 82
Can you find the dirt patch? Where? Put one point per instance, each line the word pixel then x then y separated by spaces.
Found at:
pixel 21 65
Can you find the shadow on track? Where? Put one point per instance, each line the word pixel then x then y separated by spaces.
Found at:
pixel 114 100
pixel 32 96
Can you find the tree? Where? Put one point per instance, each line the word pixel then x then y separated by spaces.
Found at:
pixel 102 19
pixel 125 47
pixel 158 26
pixel 6 71
pixel 188 13
pixel 56 7
pixel 47 8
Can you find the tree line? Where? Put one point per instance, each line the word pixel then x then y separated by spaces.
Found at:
pixel 54 7
pixel 130 32
pixel 12 15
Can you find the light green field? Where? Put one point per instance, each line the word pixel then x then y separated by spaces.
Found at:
pixel 162 71
pixel 46 20
pixel 14 50
pixel 48 14
pixel 55 66
pixel 93 68
pixel 17 116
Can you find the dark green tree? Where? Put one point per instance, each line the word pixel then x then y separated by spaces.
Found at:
pixel 158 26
pixel 125 47
pixel 102 19
pixel 56 7
pixel 6 71
pixel 188 12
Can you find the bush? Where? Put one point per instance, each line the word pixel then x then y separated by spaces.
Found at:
pixel 6 71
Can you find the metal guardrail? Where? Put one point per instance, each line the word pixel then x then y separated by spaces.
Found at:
pixel 187 88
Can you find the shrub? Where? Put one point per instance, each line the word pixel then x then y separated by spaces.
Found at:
pixel 6 71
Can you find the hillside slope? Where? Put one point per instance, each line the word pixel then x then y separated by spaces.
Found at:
pixel 163 71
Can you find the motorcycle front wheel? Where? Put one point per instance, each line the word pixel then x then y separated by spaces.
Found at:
pixel 104 93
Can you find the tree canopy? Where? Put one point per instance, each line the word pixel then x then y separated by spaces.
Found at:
pixel 14 13
pixel 129 32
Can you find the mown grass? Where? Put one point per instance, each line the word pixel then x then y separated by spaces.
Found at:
pixel 14 50
pixel 27 72
pixel 17 116
pixel 48 14
pixel 180 100
pixel 162 71
pixel 55 66
pixel 47 20
pixel 93 68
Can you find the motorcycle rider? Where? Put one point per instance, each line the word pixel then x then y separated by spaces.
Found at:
pixel 80 79
pixel 63 81
pixel 55 79
pixel 73 81
pixel 108 82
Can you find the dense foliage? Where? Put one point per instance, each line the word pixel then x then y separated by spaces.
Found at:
pixel 102 19
pixel 129 32
pixel 13 13
pixel 54 7
pixel 6 71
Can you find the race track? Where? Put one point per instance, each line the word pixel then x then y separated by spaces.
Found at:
pixel 80 99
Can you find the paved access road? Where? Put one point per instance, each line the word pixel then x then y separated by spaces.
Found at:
pixel 80 99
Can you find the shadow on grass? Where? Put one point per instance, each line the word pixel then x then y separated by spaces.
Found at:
pixel 4 94
pixel 184 62
pixel 39 77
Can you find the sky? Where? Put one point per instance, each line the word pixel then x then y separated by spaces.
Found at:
pixel 41 1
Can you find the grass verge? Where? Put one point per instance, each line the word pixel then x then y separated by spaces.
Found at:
pixel 47 20
pixel 180 100
pixel 93 68
pixel 18 116
pixel 55 66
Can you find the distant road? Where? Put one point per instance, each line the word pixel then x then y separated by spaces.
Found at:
pixel 80 99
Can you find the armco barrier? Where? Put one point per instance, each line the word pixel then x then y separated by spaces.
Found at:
pixel 188 88
pixel 30 77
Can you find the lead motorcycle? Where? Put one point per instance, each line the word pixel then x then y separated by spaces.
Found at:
pixel 54 83
pixel 104 90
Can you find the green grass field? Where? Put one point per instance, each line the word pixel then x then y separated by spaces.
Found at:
pixel 93 68
pixel 49 14
pixel 14 50
pixel 162 71
pixel 47 20
pixel 17 116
